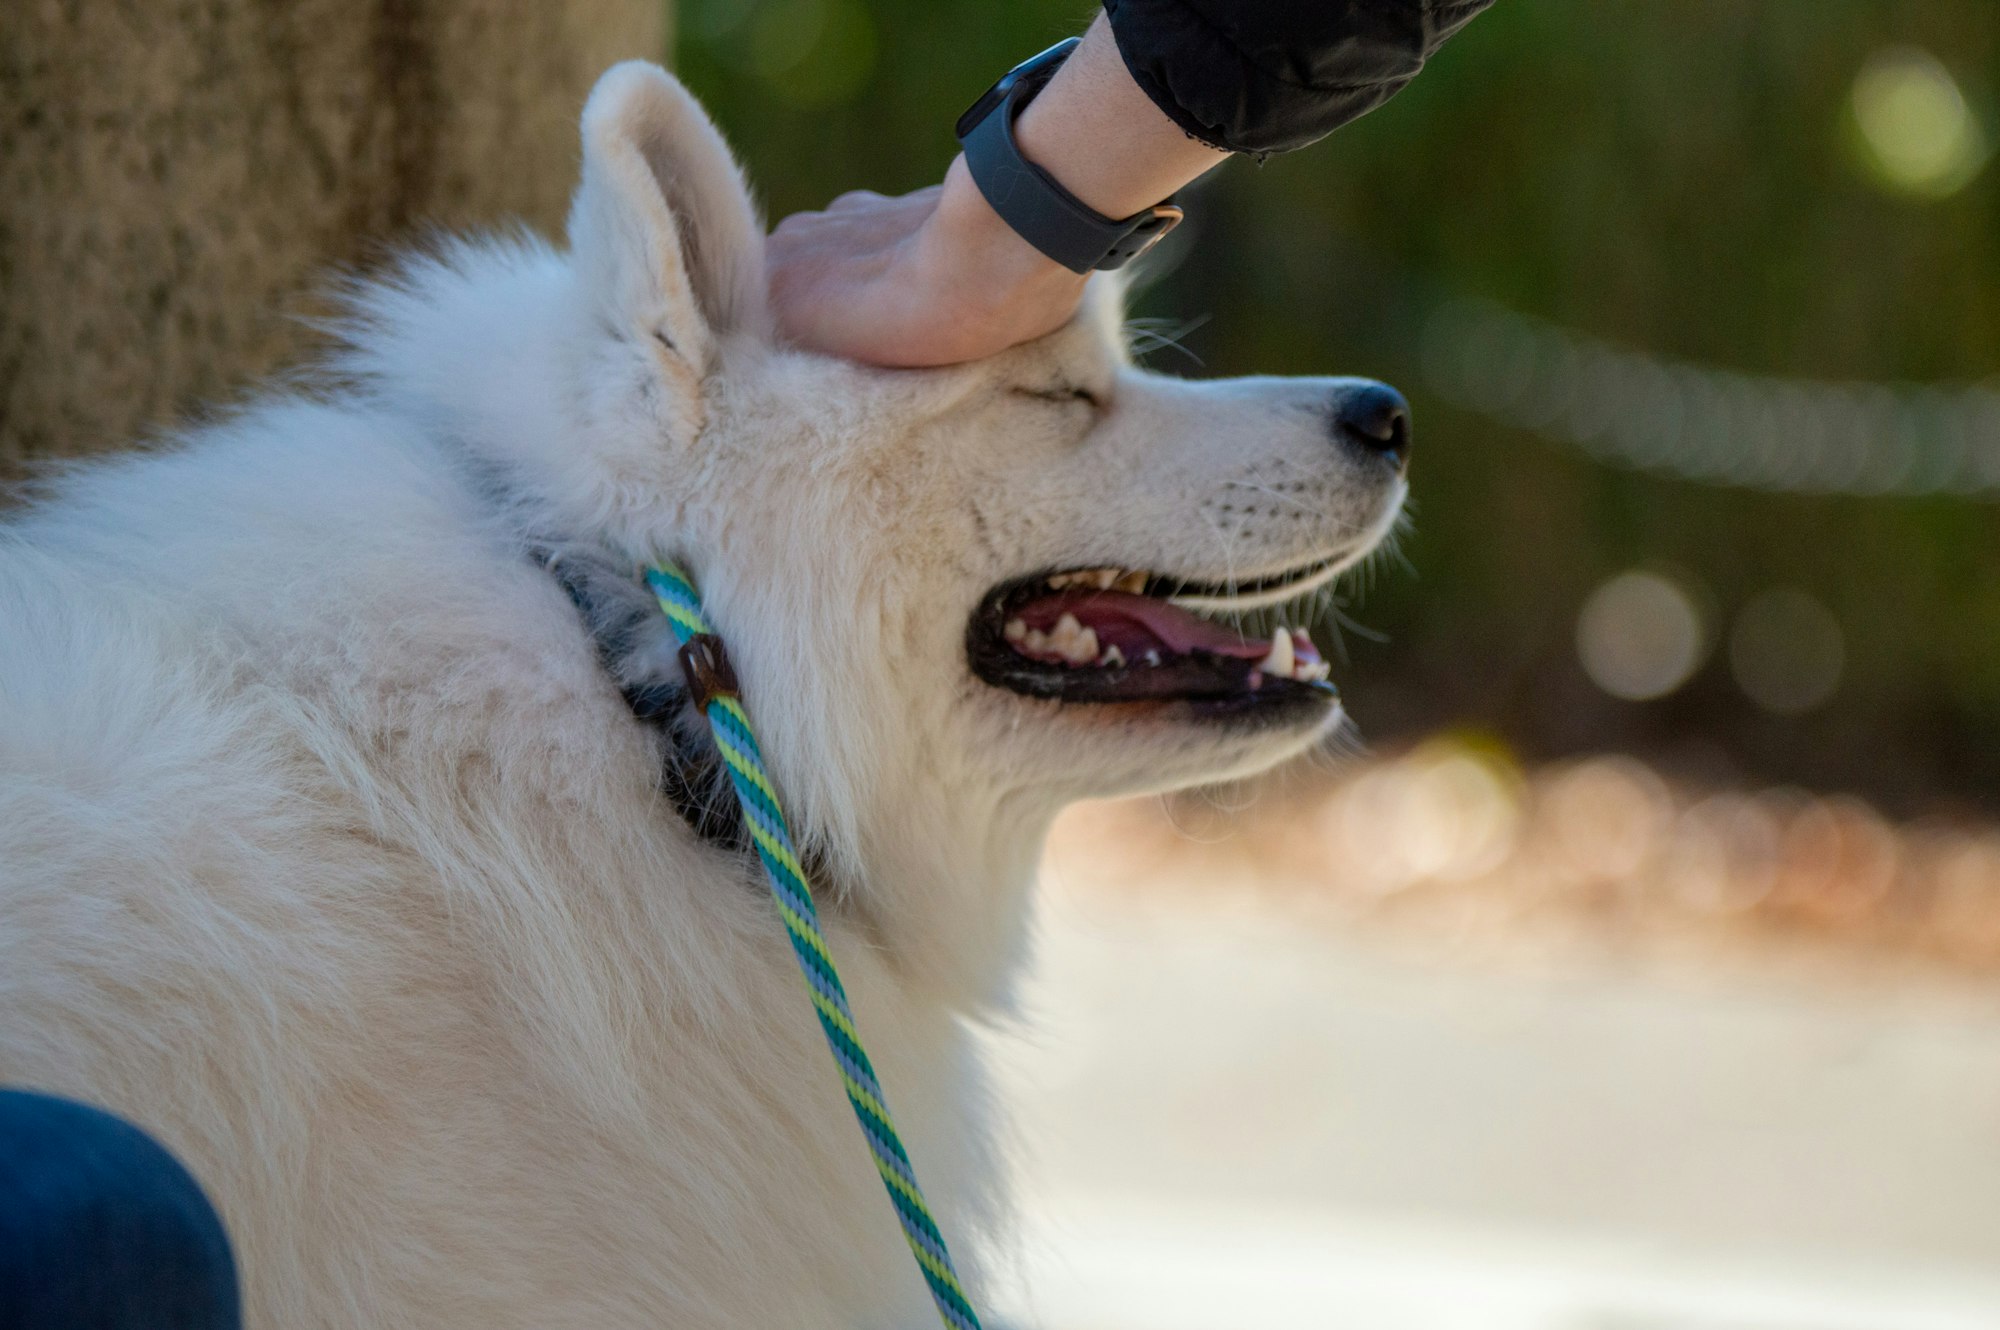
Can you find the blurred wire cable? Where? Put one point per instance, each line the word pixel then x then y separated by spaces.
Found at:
pixel 1715 426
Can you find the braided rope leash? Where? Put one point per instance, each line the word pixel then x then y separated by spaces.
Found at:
pixel 714 688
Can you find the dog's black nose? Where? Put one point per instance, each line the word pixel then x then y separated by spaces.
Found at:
pixel 1374 416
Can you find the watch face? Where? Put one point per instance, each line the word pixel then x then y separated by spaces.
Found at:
pixel 981 108
pixel 1032 72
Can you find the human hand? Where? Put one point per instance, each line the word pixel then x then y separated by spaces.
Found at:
pixel 936 277
pixel 930 278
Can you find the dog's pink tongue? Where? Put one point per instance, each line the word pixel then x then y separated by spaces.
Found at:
pixel 1137 624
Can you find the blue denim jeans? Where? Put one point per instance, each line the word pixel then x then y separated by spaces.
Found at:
pixel 101 1228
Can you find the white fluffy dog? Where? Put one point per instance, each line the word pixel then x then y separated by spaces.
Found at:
pixel 357 839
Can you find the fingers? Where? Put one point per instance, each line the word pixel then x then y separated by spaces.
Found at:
pixel 857 198
pixel 879 278
pixel 835 221
pixel 865 207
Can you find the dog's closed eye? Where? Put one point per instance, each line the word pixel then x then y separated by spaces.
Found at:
pixel 1064 395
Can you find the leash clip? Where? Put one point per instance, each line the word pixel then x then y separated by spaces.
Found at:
pixel 706 665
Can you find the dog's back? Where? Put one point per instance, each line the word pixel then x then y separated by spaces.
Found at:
pixel 328 854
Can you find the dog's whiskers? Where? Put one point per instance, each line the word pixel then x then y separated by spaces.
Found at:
pixel 1143 336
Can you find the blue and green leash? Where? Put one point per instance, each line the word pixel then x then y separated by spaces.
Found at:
pixel 714 687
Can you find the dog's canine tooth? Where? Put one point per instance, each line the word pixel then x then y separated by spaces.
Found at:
pixel 1279 662
pixel 1131 583
pixel 1072 641
pixel 1016 630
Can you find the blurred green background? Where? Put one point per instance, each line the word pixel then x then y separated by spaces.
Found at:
pixel 1787 202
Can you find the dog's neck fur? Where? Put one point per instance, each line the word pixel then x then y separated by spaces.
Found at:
pixel 935 871
pixel 945 906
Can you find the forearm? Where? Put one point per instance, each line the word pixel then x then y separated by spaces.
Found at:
pixel 1102 138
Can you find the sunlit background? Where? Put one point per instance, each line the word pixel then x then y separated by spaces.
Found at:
pixel 1639 968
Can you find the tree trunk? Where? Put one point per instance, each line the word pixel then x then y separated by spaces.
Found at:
pixel 177 177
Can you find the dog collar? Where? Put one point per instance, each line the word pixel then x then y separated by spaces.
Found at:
pixel 690 775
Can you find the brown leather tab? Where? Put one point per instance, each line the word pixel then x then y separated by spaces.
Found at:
pixel 706 666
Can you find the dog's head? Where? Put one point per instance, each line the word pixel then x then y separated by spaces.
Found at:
pixel 1018 579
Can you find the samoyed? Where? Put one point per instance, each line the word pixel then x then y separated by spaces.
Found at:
pixel 357 837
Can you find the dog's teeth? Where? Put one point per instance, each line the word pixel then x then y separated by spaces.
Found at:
pixel 1303 648
pixel 1152 657
pixel 1279 661
pixel 1036 640
pixel 1132 584
pixel 1072 641
pixel 1061 580
pixel 1016 631
pixel 1316 672
pixel 1103 578
pixel 1112 656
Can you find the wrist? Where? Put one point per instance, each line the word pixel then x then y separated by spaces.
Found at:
pixel 1102 138
pixel 973 248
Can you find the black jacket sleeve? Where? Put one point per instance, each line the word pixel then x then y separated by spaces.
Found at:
pixel 1263 76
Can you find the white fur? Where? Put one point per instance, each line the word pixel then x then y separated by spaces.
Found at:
pixel 329 853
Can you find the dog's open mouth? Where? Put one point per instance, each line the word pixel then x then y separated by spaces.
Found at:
pixel 1119 635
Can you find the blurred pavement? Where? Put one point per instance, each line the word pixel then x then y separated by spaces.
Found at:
pixel 1233 1119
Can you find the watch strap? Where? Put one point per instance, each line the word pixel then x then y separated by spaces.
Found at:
pixel 1032 201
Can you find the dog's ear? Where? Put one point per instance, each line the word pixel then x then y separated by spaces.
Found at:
pixel 662 225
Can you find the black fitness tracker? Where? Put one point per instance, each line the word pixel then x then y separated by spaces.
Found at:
pixel 1028 198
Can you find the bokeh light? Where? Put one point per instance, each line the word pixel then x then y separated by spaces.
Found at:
pixel 1448 813
pixel 1609 817
pixel 1455 841
pixel 1786 651
pixel 1640 636
pixel 1918 135
pixel 1723 856
pixel 802 53
pixel 1841 860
